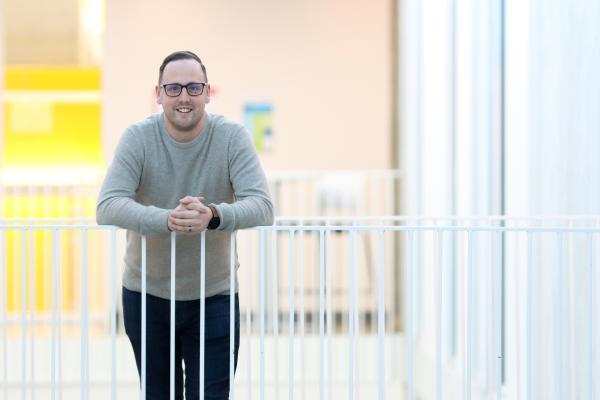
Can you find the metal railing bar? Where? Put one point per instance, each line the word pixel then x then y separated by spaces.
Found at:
pixel 381 316
pixel 143 325
pixel 275 294
pixel 261 295
pixel 321 315
pixel 113 314
pixel 32 293
pixel 53 302
pixel 409 318
pixel 591 324
pixel 291 316
pixel 202 311
pixel 470 315
pixel 301 313
pixel 4 320
pixel 560 316
pixel 23 314
pixel 529 317
pixel 84 318
pixel 232 262
pixel 439 303
pixel 172 318
pixel 351 321
pixel 248 325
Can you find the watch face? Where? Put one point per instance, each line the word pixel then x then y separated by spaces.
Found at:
pixel 214 223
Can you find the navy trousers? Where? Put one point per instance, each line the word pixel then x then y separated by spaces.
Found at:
pixel 187 344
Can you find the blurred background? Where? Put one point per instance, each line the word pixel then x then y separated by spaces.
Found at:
pixel 356 107
pixel 380 107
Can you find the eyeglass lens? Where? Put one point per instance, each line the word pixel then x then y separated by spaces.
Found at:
pixel 193 89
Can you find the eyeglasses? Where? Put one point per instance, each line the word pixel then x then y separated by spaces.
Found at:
pixel 193 88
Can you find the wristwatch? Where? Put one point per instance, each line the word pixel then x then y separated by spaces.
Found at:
pixel 215 221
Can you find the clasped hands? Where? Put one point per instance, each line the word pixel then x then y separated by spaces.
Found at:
pixel 190 217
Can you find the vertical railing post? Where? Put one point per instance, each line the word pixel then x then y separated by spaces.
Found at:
pixel 143 325
pixel 439 302
pixel 529 383
pixel 32 293
pixel 352 321
pixel 275 294
pixel 232 262
pixel 172 318
pixel 113 314
pixel 202 311
pixel 470 315
pixel 291 317
pixel 591 324
pixel 381 316
pixel 498 296
pixel 409 317
pixel 560 317
pixel 301 311
pixel 329 309
pixel 23 314
pixel 4 294
pixel 53 329
pixel 321 315
pixel 84 317
pixel 261 295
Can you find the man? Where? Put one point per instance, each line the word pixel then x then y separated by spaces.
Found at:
pixel 183 170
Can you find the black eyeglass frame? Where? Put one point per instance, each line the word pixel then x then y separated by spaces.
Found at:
pixel 180 86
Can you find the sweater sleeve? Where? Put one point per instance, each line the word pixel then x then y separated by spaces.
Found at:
pixel 253 205
pixel 116 204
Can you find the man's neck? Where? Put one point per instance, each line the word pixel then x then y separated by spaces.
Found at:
pixel 185 136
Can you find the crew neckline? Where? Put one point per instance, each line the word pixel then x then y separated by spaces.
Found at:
pixel 191 143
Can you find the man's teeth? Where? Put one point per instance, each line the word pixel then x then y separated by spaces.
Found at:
pixel 184 110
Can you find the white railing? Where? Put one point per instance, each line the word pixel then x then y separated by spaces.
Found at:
pixel 371 308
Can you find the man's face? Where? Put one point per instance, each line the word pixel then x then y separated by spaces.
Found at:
pixel 184 114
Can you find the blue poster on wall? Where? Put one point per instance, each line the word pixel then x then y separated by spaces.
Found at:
pixel 258 119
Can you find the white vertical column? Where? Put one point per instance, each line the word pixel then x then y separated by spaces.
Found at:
pixel 275 293
pixel 84 317
pixel 172 318
pixel 143 327
pixel 113 314
pixel 202 310
pixel 321 315
pixel 232 262
pixel 291 317
pixel 261 296
pixel 381 316
pixel 439 303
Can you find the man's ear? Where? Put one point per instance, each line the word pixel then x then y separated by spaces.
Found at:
pixel 157 90
pixel 208 90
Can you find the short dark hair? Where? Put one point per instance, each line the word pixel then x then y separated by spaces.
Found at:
pixel 180 55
